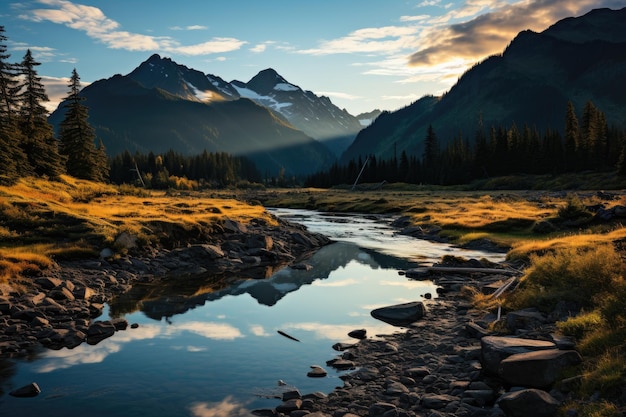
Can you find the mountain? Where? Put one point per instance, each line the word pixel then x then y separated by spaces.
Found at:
pixel 316 116
pixel 162 105
pixel 368 118
pixel 577 59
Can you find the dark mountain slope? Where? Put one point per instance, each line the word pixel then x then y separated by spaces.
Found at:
pixel 577 59
pixel 128 116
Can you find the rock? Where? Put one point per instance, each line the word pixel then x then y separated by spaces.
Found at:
pixel 476 331
pixel 342 346
pixel 214 252
pixel 526 319
pixel 62 294
pixel 83 293
pixel 341 364
pixel 538 369
pixel 358 334
pixel 497 348
pixel 380 409
pixel 317 372
pixel 396 388
pixel 417 372
pixel 291 395
pixel 437 401
pixel 30 390
pixel 48 283
pixel 126 241
pixel 528 402
pixel 302 267
pixel 99 330
pixel 289 406
pixel 106 253
pixel 400 314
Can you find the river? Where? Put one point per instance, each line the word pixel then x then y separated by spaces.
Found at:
pixel 211 353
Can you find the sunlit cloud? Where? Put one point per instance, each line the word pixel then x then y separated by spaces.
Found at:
pixel 492 25
pixel 417 18
pixel 262 47
pixel 217 331
pixel 194 349
pixel 228 407
pixel 96 25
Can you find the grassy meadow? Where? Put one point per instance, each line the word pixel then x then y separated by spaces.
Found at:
pixel 568 255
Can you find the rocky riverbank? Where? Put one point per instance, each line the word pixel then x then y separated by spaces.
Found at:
pixel 448 364
pixel 58 308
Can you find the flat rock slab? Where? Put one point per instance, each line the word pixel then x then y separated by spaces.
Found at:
pixel 494 349
pixel 528 402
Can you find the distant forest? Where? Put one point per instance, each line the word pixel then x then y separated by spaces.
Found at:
pixel 174 170
pixel 588 144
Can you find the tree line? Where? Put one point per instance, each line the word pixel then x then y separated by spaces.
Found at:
pixel 175 170
pixel 588 143
pixel 28 146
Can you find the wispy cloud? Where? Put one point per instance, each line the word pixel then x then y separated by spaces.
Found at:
pixel 383 40
pixel 338 94
pixel 96 25
pixel 191 27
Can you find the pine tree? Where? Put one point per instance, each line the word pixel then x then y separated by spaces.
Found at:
pixel 572 137
pixel 77 138
pixel 13 161
pixel 40 145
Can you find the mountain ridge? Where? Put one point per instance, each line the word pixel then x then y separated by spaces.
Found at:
pixel 530 82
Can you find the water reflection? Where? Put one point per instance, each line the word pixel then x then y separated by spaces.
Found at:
pixel 209 345
pixel 158 303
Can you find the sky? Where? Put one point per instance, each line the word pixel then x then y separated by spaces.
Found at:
pixel 362 54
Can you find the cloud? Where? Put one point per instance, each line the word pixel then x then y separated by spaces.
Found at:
pixel 228 407
pixel 382 40
pixel 217 331
pixel 191 27
pixel 96 25
pixel 489 33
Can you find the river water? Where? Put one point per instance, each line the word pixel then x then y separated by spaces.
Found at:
pixel 218 353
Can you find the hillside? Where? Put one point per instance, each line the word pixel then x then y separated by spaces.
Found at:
pixel 577 59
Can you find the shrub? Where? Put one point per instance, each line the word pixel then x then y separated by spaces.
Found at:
pixel 580 325
pixel 581 275
pixel 574 209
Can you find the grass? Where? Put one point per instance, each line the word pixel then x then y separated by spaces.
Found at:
pixel 43 221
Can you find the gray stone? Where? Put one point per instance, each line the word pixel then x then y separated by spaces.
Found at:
pixel 400 314
pixel 497 348
pixel 380 409
pixel 396 388
pixel 437 401
pixel 291 394
pixel 528 402
pixel 358 333
pixel 537 369
pixel 289 406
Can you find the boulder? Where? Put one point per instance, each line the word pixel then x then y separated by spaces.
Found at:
pixel 528 402
pixel 496 348
pixel 400 314
pixel 289 406
pixel 538 369
pixel 437 401
pixel 380 409
pixel 99 330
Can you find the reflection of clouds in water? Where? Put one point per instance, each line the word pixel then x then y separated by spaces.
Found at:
pixel 86 354
pixel 196 349
pixel 337 283
pixel 258 330
pixel 411 285
pixel 226 408
pixel 218 331
pixel 337 331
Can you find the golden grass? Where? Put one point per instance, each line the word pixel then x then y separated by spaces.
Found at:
pixel 35 215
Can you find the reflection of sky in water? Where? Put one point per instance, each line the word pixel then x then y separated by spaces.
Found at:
pixel 223 356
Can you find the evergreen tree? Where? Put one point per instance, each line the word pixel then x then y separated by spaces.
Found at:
pixel 572 137
pixel 13 161
pixel 431 155
pixel 40 145
pixel 77 138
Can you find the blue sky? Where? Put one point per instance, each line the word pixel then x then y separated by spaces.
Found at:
pixel 363 54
